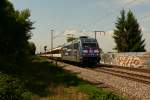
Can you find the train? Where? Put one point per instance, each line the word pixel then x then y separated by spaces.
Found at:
pixel 83 50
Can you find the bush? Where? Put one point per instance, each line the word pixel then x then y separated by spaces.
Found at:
pixel 12 88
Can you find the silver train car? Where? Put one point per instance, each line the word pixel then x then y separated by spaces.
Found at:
pixel 83 50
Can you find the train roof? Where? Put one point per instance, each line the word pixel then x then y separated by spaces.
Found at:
pixel 57 48
pixel 82 39
pixel 85 37
pixel 88 39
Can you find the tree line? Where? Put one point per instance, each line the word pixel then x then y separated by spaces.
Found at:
pixel 15 31
pixel 128 34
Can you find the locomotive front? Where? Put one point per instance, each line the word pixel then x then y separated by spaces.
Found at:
pixel 90 51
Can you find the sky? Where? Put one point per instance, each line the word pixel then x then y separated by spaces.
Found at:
pixel 82 17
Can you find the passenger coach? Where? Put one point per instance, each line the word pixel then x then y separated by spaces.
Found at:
pixel 83 50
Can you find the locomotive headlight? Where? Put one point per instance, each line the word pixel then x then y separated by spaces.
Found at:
pixel 97 54
pixel 85 51
pixel 96 51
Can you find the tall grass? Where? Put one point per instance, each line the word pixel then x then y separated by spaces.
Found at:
pixel 37 78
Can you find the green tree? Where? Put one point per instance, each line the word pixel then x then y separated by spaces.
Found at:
pixel 127 34
pixel 45 48
pixel 15 30
pixel 69 39
pixel 32 48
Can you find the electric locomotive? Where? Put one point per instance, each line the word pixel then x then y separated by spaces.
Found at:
pixel 84 50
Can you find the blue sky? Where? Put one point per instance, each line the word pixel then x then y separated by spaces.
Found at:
pixel 82 17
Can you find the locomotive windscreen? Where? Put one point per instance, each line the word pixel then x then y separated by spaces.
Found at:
pixel 88 40
pixel 91 45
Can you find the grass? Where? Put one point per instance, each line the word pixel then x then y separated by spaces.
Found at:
pixel 98 93
pixel 40 80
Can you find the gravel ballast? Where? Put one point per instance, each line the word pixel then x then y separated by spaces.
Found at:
pixel 133 90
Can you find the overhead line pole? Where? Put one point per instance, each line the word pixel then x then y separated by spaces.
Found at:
pixel 52 39
pixel 99 32
pixel 51 42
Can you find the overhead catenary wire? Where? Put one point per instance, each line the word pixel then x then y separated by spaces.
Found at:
pixel 110 13
pixel 144 18
pixel 59 35
pixel 105 16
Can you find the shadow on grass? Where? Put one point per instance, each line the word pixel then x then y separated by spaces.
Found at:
pixel 39 74
pixel 40 77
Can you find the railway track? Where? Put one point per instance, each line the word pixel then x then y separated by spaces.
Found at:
pixel 135 74
pixel 131 82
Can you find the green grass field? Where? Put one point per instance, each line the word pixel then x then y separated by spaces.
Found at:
pixel 37 79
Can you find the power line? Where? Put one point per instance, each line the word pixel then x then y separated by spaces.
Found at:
pixel 98 20
pixel 110 13
pixel 59 35
pixel 146 17
pixel 98 32
pixel 52 39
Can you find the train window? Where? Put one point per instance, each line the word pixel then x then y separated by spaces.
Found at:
pixel 76 45
pixel 70 46
pixel 85 45
pixel 67 47
pixel 88 40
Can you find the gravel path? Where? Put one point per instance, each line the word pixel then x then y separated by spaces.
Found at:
pixel 129 88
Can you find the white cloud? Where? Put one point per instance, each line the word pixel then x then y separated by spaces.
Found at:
pixel 145 30
pixel 70 32
pixel 78 33
pixel 126 1
pixel 146 18
pixel 133 2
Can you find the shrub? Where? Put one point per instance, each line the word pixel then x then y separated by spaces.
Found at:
pixel 12 88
